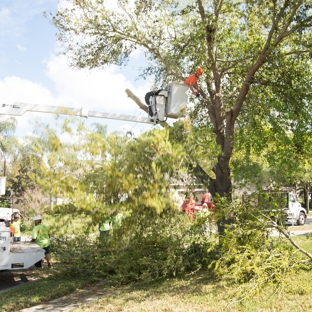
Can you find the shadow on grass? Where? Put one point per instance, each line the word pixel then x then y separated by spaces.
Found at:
pixel 42 287
pixel 187 286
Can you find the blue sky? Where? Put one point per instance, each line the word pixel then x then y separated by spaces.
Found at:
pixel 31 71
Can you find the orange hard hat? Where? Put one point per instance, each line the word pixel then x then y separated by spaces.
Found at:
pixel 199 71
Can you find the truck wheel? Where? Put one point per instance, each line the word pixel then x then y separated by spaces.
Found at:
pixel 302 218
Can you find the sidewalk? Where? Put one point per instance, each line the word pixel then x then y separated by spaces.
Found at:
pixel 292 233
pixel 72 301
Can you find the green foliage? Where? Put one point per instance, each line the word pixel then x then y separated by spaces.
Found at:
pixel 151 246
pixel 5 203
pixel 249 256
pixel 257 61
pixel 155 246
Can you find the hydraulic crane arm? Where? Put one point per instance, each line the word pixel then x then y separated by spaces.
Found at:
pixel 19 109
pixel 167 103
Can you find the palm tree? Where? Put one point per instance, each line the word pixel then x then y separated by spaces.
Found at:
pixel 7 140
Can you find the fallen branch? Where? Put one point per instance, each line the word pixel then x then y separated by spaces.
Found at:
pixel 285 233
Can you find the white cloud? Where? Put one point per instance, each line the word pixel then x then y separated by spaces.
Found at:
pixel 14 89
pixel 17 89
pixel 5 19
pixel 21 48
pixel 96 89
pixel 4 15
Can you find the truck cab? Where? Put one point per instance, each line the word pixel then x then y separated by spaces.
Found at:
pixel 283 205
pixel 294 212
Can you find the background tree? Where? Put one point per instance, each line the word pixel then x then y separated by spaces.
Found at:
pixel 8 144
pixel 7 140
pixel 243 48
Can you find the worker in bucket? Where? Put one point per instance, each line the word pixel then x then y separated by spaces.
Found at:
pixel 192 81
pixel 41 235
pixel 16 221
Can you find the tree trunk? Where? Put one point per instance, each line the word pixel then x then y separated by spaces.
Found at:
pixel 306 197
pixel 222 184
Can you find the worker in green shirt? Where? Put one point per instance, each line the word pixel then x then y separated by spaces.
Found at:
pixel 41 235
pixel 105 227
pixel 117 220
pixel 16 221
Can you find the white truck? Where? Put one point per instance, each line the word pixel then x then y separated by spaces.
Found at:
pixel 17 255
pixel 284 205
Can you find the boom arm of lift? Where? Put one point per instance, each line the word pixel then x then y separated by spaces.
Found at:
pixel 169 102
pixel 19 109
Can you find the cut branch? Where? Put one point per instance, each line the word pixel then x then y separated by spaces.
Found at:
pixel 137 100
pixel 285 233
pixel 143 106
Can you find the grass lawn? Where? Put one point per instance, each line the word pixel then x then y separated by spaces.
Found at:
pixel 192 293
pixel 61 225
pixel 44 288
pixel 196 292
pixel 199 293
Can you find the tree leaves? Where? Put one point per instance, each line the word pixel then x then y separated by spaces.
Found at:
pixel 252 53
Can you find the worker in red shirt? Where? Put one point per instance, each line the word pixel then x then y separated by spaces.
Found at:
pixel 207 198
pixel 192 81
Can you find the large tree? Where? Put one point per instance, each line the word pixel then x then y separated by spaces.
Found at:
pixel 249 51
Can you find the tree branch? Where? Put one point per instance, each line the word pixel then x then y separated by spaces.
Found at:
pixel 284 232
pixel 137 100
pixel 143 106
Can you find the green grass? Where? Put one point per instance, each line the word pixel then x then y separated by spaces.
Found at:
pixel 300 228
pixel 197 292
pixel 68 225
pixel 192 293
pixel 304 242
pixel 47 287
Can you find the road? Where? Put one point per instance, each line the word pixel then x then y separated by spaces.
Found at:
pixel 296 230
